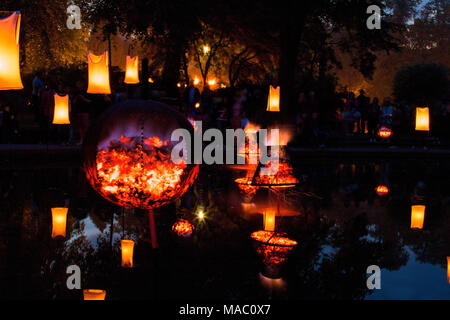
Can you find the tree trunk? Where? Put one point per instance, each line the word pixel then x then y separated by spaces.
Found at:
pixel 290 35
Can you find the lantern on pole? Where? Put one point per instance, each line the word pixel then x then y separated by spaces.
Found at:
pixel 94 294
pixel 132 70
pixel 59 220
pixel 422 119
pixel 417 216
pixel 273 102
pixel 98 74
pixel 127 253
pixel 61 110
pixel 9 53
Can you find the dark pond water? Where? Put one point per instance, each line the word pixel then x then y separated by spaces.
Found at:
pixel 340 223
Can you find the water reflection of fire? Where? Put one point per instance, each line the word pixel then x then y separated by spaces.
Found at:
pixel 183 228
pixel 136 174
pixel 273 247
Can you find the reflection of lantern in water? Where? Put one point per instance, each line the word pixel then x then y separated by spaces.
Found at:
pixel 61 110
pixel 183 228
pixel 132 70
pixel 422 119
pixel 277 284
pixel 382 190
pixel 274 249
pixel 128 155
pixel 273 101
pixel 417 216
pixel 127 247
pixel 59 219
pixel 98 74
pixel 269 220
pixel 384 132
pixel 94 294
pixel 9 52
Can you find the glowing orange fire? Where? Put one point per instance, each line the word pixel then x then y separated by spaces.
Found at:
pixel 273 247
pixel 136 174
pixel 250 149
pixel 183 228
pixel 384 132
pixel 382 190
pixel 277 177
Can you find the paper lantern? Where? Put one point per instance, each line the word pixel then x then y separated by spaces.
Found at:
pixel 94 294
pixel 417 216
pixel 127 253
pixel 59 219
pixel 61 110
pixel 132 71
pixel 273 103
pixel 422 119
pixel 98 74
pixel 9 53
pixel 269 220
pixel 448 269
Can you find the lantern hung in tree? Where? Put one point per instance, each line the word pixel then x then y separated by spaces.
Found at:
pixel 94 294
pixel 9 53
pixel 98 74
pixel 59 220
pixel 273 102
pixel 417 216
pixel 132 70
pixel 61 110
pixel 127 253
pixel 422 119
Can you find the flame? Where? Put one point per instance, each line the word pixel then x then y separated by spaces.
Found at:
pixel 281 177
pixel 142 175
pixel 284 136
pixel 183 228
pixel 382 190
pixel 384 132
pixel 273 247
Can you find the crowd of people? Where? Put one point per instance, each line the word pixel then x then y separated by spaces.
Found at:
pixel 318 120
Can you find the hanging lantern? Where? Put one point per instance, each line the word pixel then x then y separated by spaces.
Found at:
pixel 9 53
pixel 98 74
pixel 382 190
pixel 448 269
pixel 132 70
pixel 127 253
pixel 273 103
pixel 59 219
pixel 61 110
pixel 269 219
pixel 422 119
pixel 417 216
pixel 384 132
pixel 94 294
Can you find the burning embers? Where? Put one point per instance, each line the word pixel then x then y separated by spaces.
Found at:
pixel 273 247
pixel 139 172
pixel 183 228
pixel 277 176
